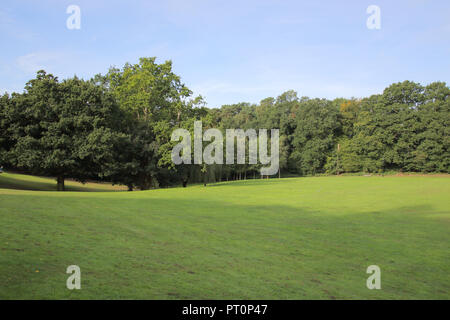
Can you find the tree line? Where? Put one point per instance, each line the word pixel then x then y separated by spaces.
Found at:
pixel 116 127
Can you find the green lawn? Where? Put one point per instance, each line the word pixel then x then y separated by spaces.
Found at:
pixel 296 238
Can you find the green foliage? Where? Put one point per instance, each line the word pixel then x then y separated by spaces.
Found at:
pixel 405 128
pixel 5 135
pixel 62 129
pixel 150 91
pixel 315 135
pixel 156 102
pixel 117 127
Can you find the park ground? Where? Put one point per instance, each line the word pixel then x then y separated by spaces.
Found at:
pixel 293 238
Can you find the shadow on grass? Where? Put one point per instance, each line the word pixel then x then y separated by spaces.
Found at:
pixel 227 250
pixel 249 182
pixel 11 182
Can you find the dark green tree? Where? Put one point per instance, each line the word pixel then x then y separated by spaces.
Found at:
pixel 65 130
pixel 315 135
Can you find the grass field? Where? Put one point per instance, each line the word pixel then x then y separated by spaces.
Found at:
pixel 296 238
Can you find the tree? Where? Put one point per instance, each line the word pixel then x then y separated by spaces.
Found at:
pixel 65 130
pixel 315 135
pixel 156 101
pixel 432 136
pixel 149 91
pixel 134 158
pixel 5 138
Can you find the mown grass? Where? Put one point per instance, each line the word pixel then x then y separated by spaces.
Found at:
pixel 296 238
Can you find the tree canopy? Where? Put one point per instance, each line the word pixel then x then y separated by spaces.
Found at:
pixel 117 127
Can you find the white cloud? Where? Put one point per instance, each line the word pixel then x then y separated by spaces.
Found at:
pixel 32 62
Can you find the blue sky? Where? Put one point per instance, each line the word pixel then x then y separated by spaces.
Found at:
pixel 233 51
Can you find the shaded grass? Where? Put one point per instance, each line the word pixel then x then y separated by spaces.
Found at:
pixel 297 238
pixel 27 182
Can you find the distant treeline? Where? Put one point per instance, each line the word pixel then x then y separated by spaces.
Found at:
pixel 117 127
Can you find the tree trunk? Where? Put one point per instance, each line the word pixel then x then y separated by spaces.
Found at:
pixel 60 184
pixel 146 183
pixel 130 187
pixel 279 173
